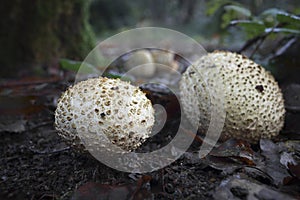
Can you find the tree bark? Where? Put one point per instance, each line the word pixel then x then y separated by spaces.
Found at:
pixel 37 33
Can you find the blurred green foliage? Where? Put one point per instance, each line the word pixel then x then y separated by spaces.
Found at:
pixel 271 36
pixel 272 20
pixel 215 24
pixel 118 14
pixel 75 66
pixel 204 20
pixel 106 14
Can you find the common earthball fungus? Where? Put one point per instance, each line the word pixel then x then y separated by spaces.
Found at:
pixel 253 101
pixel 98 106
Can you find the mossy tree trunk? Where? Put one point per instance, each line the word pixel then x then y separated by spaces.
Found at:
pixel 36 33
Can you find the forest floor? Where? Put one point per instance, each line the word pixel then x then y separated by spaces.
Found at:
pixel 35 162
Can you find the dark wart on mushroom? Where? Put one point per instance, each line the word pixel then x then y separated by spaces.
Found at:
pixel 253 101
pixel 112 107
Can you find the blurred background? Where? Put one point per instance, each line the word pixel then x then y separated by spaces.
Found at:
pixel 36 34
pixel 43 44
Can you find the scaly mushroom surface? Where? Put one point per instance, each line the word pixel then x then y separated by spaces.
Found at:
pixel 253 101
pixel 112 107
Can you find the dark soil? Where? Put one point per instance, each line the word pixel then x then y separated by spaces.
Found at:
pixel 35 163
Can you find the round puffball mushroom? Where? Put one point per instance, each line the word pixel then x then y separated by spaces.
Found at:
pixel 166 59
pixel 162 57
pixel 106 106
pixel 138 58
pixel 253 101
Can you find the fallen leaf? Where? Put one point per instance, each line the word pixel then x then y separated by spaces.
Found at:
pixel 295 170
pixel 230 155
pixel 271 164
pixel 97 191
pixel 286 159
pixel 237 187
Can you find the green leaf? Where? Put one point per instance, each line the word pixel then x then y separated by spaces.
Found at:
pixel 73 65
pixel 252 28
pixel 234 12
pixel 69 64
pixel 214 5
pixel 273 16
pixel 271 11
pixel 283 30
pixel 117 75
pixel 239 9
pixel 269 17
pixel 284 17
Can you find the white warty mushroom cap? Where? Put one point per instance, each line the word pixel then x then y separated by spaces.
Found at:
pixel 104 106
pixel 253 101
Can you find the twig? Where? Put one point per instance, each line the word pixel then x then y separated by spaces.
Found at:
pixel 29 82
pixel 250 43
pixel 190 133
pixel 260 39
pixel 294 109
pixel 45 123
pixel 48 152
pixel 283 45
pixel 44 196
